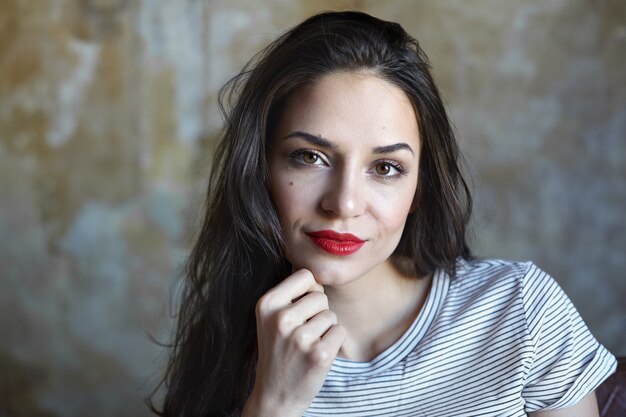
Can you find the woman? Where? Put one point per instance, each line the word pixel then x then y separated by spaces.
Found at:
pixel 332 275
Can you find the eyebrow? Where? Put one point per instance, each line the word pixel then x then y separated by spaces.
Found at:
pixel 325 143
pixel 392 148
pixel 314 139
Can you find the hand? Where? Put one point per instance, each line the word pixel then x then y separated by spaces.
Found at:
pixel 298 339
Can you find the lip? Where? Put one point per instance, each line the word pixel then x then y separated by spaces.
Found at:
pixel 340 244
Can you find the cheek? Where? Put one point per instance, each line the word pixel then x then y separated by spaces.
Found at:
pixel 395 210
pixel 293 198
pixel 280 195
pixel 396 218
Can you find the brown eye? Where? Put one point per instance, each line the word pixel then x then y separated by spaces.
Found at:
pixel 309 157
pixel 383 169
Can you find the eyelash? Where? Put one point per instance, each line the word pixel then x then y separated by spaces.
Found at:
pixel 395 165
pixel 297 156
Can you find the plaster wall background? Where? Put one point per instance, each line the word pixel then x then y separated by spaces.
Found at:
pixel 108 118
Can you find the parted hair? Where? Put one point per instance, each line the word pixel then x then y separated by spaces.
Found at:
pixel 239 252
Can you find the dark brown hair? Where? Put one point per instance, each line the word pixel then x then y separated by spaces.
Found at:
pixel 238 254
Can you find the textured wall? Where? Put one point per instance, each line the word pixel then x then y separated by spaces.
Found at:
pixel 107 118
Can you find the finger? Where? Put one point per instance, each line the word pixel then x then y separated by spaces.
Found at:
pixel 334 337
pixel 308 306
pixel 315 286
pixel 290 318
pixel 324 352
pixel 316 327
pixel 295 269
pixel 292 287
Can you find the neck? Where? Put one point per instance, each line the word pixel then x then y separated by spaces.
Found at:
pixel 376 309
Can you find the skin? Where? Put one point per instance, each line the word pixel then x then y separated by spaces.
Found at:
pixel 345 157
pixel 587 407
pixel 337 185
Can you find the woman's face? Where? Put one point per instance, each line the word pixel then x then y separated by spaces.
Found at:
pixel 344 167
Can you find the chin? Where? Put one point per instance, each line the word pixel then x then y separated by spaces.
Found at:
pixel 331 278
pixel 332 272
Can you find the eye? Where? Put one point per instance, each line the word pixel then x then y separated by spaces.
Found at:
pixel 388 169
pixel 307 157
pixel 383 169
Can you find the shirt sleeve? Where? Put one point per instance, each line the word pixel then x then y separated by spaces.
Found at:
pixel 567 362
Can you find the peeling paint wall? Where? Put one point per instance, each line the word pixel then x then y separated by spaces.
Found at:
pixel 108 115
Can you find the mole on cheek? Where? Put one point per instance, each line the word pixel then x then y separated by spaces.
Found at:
pixel 290 182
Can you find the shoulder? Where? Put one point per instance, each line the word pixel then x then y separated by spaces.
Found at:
pixel 487 275
pixel 484 273
pixel 505 283
pixel 486 268
pixel 561 360
pixel 485 289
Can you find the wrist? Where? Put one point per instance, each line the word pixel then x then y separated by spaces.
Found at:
pixel 259 406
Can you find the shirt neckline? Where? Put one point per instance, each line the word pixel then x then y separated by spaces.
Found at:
pixel 406 343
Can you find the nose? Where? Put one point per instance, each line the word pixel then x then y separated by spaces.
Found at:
pixel 345 196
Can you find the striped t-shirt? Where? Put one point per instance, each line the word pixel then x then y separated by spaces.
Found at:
pixel 499 339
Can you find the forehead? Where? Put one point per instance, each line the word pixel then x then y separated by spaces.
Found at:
pixel 354 107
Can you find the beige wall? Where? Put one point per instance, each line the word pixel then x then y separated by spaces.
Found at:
pixel 107 117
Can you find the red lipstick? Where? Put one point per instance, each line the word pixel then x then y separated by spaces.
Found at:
pixel 340 244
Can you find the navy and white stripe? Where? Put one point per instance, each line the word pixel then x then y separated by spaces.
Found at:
pixel 500 339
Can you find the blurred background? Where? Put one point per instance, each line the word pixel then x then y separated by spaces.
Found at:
pixel 107 120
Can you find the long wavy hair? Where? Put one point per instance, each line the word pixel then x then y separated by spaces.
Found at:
pixel 239 252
